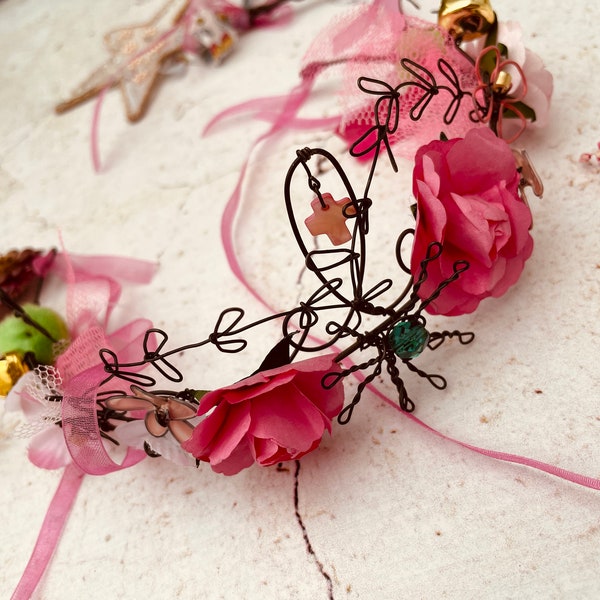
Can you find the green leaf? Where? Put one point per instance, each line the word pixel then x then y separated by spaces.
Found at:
pixel 527 111
pixel 487 65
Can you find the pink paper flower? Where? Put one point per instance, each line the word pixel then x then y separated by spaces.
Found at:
pixel 272 416
pixel 468 200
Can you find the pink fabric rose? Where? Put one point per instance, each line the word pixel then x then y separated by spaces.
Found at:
pixel 272 416
pixel 468 200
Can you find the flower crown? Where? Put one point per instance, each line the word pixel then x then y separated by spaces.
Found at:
pixel 98 401
pixel 470 241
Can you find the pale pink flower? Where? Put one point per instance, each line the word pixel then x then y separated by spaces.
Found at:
pixel 539 82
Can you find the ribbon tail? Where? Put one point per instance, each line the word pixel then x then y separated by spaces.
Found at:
pixel 52 527
pixel 577 478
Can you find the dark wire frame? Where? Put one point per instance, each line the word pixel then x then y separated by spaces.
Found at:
pixel 298 323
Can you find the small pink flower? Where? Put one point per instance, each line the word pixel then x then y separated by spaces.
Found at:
pixel 509 101
pixel 532 82
pixel 93 288
pixel 272 416
pixel 468 200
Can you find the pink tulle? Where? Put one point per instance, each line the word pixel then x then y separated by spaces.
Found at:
pixel 84 373
pixel 91 296
pixel 94 285
pixel 80 425
pixel 370 41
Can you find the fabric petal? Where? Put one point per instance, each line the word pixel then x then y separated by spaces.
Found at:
pixel 240 458
pixel 287 417
pixel 48 450
pixel 226 440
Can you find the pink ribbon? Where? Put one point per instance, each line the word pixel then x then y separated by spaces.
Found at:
pixel 54 522
pixel 582 480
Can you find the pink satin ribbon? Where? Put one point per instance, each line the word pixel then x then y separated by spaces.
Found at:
pixel 54 522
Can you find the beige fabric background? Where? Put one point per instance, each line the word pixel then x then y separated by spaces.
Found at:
pixel 391 511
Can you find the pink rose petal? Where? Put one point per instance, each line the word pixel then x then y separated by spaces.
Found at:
pixel 272 416
pixel 477 216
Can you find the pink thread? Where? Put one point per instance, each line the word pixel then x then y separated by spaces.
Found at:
pixel 94 144
pixel 50 532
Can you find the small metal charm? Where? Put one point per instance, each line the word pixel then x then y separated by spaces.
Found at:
pixel 466 19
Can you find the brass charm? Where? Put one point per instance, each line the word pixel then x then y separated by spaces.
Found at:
pixel 466 19
pixel 12 368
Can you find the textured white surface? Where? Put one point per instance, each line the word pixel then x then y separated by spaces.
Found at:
pixel 391 511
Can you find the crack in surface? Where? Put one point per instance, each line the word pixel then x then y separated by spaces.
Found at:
pixel 307 543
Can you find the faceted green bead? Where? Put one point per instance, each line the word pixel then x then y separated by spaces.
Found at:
pixel 408 339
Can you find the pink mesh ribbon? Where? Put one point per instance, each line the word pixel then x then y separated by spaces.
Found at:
pixel 93 288
pixel 85 373
pixel 370 41
pixel 94 285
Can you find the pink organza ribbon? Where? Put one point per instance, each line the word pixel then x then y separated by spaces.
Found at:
pixel 93 288
pixel 79 419
pixel 50 532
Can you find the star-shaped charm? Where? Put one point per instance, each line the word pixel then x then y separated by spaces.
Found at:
pixel 529 177
pixel 329 218
pixel 137 54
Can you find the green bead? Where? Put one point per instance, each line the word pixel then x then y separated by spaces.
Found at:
pixel 17 336
pixel 408 339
